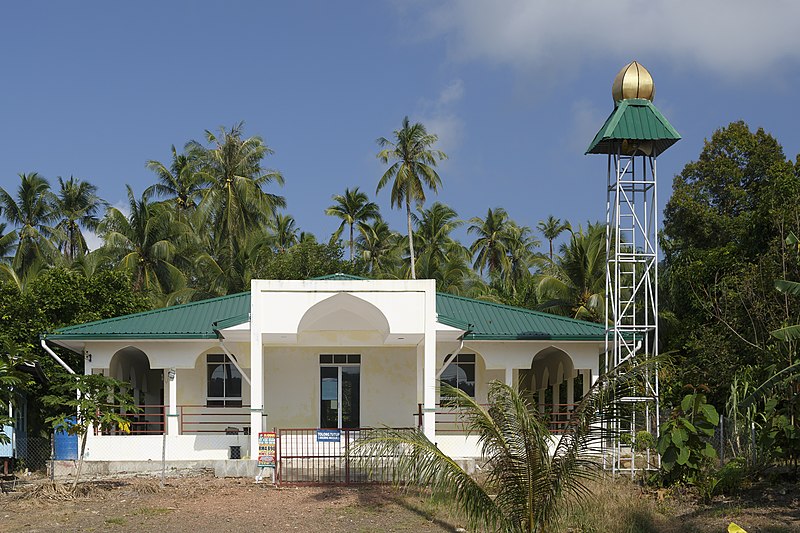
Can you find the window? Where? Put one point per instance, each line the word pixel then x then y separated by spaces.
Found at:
pixel 340 391
pixel 224 382
pixel 460 373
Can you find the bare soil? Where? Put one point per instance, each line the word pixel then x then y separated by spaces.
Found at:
pixel 204 503
pixel 209 504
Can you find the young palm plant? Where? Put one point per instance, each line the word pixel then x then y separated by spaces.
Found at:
pixel 531 475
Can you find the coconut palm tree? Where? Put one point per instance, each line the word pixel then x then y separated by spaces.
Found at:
pixel 179 183
pixel 285 232
pixel 411 171
pixel 489 248
pixel 378 247
pixel 527 474
pixel 520 245
pixel 574 284
pixel 145 243
pixel 551 229
pixel 234 200
pixel 437 249
pixel 31 212
pixel 77 205
pixel 352 207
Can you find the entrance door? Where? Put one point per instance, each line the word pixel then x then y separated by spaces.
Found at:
pixel 340 391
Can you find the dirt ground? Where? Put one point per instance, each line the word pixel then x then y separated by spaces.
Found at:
pixel 209 504
pixel 204 503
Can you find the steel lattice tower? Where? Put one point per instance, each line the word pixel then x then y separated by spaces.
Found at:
pixel 632 138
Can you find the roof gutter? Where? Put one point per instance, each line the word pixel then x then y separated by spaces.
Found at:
pixel 56 357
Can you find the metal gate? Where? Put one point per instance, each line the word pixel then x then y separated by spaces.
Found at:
pixel 327 456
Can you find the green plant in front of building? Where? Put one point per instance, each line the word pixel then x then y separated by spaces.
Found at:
pixel 90 402
pixel 684 445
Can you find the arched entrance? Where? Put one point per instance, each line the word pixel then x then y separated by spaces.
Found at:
pixel 146 386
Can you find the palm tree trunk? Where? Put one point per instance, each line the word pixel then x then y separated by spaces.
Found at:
pixel 551 249
pixel 351 242
pixel 410 237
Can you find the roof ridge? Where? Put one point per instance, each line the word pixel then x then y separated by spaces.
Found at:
pixel 148 312
pixel 523 309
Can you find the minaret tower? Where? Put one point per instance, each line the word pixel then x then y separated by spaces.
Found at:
pixel 632 138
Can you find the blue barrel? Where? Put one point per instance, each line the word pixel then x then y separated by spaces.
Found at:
pixel 65 445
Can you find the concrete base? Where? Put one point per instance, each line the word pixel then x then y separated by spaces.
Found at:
pixel 221 468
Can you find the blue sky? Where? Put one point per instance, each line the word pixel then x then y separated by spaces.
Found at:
pixel 515 90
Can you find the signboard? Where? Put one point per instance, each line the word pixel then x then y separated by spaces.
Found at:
pixel 329 435
pixel 267 450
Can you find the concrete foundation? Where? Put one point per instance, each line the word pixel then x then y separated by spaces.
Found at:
pixel 221 468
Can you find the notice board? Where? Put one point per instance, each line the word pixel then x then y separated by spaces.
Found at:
pixel 267 450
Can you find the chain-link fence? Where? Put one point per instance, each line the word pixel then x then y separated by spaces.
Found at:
pixel 32 453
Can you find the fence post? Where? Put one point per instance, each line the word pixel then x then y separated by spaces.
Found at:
pixel 419 416
pixel 346 456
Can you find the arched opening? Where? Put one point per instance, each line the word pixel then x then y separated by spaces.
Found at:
pixel 549 385
pixel 146 385
pixel 343 319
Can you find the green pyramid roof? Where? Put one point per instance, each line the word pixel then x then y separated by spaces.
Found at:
pixel 634 119
pixel 201 320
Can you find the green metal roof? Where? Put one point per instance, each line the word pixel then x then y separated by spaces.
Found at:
pixel 200 320
pixel 194 320
pixel 490 321
pixel 634 119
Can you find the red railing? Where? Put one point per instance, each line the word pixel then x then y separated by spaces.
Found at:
pixel 149 420
pixel 306 458
pixel 452 420
pixel 201 419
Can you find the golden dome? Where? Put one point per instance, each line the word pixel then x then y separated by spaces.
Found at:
pixel 633 81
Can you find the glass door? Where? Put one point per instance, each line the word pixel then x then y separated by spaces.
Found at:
pixel 340 396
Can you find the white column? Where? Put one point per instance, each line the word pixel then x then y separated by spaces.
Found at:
pixel 256 380
pixel 587 381
pixel 429 370
pixel 556 399
pixel 509 377
pixel 570 389
pixel 541 399
pixel 171 382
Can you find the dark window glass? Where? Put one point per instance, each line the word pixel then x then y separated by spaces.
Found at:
pixel 326 358
pixel 461 374
pixel 329 404
pixel 339 359
pixel 224 382
pixel 351 396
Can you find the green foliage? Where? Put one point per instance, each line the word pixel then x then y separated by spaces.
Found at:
pixel 59 297
pixel 100 402
pixel 725 230
pixel 412 169
pixel 307 260
pixel 10 381
pixel 529 476
pixel 684 443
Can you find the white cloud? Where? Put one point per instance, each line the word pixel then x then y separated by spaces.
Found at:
pixel 452 93
pixel 731 38
pixel 441 119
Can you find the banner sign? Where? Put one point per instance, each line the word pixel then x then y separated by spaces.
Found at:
pixel 328 435
pixel 267 450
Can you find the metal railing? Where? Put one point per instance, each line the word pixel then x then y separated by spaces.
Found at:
pixel 149 420
pixel 451 420
pixel 201 419
pixel 306 457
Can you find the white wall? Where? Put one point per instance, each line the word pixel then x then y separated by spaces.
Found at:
pixel 292 385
